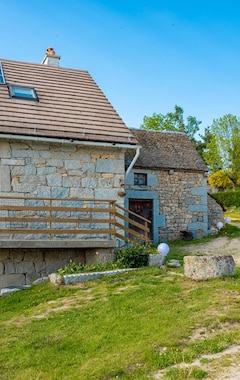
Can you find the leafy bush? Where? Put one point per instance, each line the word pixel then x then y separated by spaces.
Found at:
pixel 228 198
pixel 132 256
pixel 126 257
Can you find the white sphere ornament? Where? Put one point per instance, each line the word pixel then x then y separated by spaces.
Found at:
pixel 227 220
pixel 163 248
pixel 219 225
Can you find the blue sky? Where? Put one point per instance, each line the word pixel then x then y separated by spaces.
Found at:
pixel 146 55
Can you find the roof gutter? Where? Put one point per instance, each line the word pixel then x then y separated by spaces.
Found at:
pixel 67 141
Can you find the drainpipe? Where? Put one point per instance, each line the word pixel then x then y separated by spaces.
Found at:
pixel 133 161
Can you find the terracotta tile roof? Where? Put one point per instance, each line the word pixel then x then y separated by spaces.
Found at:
pixel 71 105
pixel 167 150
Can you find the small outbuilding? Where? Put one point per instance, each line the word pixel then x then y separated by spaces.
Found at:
pixel 168 185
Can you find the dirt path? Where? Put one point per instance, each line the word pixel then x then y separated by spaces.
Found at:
pixel 223 246
pixel 219 246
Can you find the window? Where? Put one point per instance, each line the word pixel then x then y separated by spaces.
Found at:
pixel 140 179
pixel 22 92
pixel 2 80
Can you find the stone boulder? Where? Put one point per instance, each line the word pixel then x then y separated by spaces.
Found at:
pixel 207 267
pixel 156 260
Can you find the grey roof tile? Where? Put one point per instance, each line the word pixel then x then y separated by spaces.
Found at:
pixel 167 150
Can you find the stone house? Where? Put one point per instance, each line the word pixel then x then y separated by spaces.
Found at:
pixel 168 185
pixel 59 138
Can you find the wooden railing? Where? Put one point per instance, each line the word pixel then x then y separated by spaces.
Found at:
pixel 69 218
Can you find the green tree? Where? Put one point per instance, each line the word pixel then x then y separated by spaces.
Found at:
pixel 223 150
pixel 201 144
pixel 172 121
pixel 212 156
pixel 221 180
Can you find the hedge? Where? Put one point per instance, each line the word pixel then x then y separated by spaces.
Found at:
pixel 228 198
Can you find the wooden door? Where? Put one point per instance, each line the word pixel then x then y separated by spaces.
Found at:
pixel 142 207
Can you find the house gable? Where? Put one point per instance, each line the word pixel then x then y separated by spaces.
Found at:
pixel 70 105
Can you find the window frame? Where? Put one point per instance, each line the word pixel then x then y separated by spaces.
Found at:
pixel 32 92
pixel 137 179
pixel 2 74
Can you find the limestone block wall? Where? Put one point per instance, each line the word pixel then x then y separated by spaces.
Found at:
pixel 20 266
pixel 179 201
pixel 47 170
pixel 183 201
pixel 42 169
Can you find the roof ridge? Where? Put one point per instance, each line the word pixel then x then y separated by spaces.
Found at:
pixel 158 131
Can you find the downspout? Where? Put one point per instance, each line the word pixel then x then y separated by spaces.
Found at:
pixel 133 161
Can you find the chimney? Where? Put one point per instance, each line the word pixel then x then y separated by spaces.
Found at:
pixel 50 58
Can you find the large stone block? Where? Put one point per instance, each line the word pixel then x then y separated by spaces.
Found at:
pixel 9 267
pixel 60 192
pixel 53 266
pixel 109 166
pixel 33 255
pixel 25 267
pixel 40 267
pixel 5 182
pixel 72 164
pixel 1 267
pixel 207 267
pixel 71 182
pixel 12 280
pixel 16 255
pixel 24 153
pixel 54 180
pixel 5 149
pixel 4 254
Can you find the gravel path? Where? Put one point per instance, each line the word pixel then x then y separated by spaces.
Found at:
pixel 219 246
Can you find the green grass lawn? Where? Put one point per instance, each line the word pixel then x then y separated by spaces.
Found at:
pixel 120 327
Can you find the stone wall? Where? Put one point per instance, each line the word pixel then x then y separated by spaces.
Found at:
pixel 215 212
pixel 23 266
pixel 181 202
pixel 49 170
pixel 41 169
pixel 183 199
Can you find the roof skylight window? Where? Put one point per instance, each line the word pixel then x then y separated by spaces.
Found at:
pixel 2 79
pixel 22 92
